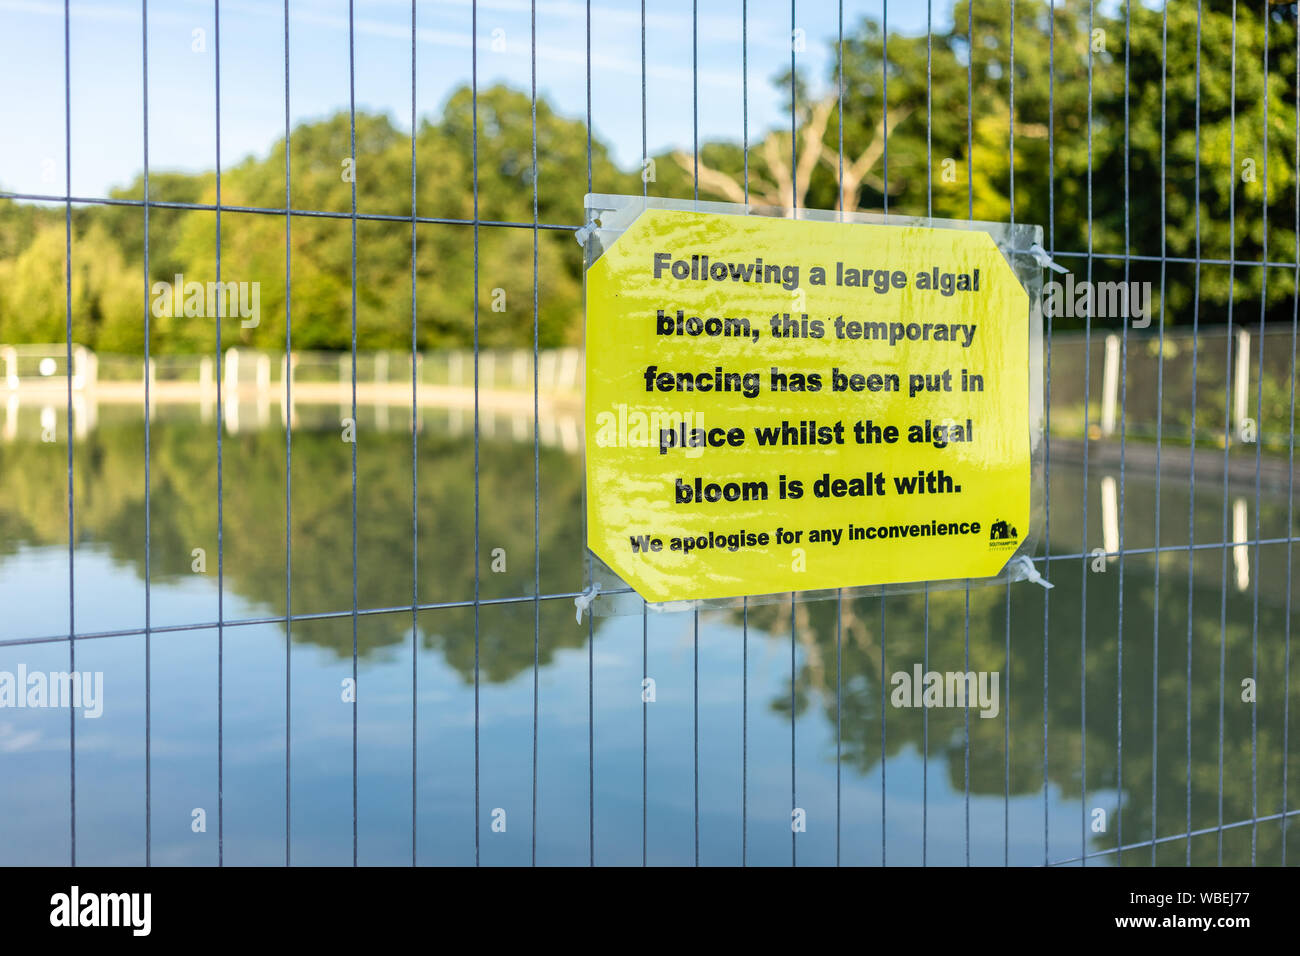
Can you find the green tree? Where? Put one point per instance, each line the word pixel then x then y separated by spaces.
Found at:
pixel 1082 131
pixel 108 241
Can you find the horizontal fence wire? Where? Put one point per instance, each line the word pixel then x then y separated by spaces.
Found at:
pixel 552 226
pixel 571 595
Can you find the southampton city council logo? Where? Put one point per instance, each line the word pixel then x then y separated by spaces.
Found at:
pixel 1002 536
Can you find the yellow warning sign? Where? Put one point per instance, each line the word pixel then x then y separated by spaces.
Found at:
pixel 782 405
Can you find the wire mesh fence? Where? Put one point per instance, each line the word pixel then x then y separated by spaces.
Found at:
pixel 1145 706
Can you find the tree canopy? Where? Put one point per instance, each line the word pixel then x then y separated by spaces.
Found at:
pixel 1115 130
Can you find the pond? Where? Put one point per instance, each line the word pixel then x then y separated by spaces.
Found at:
pixel 1120 708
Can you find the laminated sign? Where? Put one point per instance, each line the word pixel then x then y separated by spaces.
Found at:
pixel 777 405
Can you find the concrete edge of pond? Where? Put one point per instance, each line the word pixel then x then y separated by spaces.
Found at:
pixel 1177 461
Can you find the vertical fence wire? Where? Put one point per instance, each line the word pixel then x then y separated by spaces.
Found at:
pixel 1047 413
pixel 794 799
pixel 1290 476
pixel 645 626
pixel 884 120
pixel 966 727
pixel 1006 738
pixel 695 724
pixel 645 667
pixel 744 692
pixel 744 732
pixel 744 627
pixel 883 802
pixel 839 708
pixel 352 134
pixel 591 620
pixel 925 734
pixel 537 437
pixel 695 614
pixel 839 594
pixel 1083 565
pixel 415 483
pixel 1191 481
pixel 1227 415
pixel 477 569
pixel 794 213
pixel 288 453
pixel 1259 418
pixel 970 214
pixel 67 312
pixel 1290 482
pixel 148 619
pixel 1006 710
pixel 925 625
pixel 221 817
pixel 1123 445
pixel 1160 408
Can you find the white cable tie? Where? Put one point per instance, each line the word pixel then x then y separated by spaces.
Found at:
pixel 1027 572
pixel 583 601
pixel 1043 259
pixel 583 234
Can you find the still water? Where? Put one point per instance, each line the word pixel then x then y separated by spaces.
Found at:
pixel 706 770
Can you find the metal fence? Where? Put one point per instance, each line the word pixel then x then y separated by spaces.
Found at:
pixel 1102 386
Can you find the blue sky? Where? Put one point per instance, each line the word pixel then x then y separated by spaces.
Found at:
pixel 107 81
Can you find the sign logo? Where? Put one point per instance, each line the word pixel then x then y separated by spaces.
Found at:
pixel 1003 536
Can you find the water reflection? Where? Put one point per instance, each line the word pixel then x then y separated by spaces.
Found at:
pixel 1219 616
